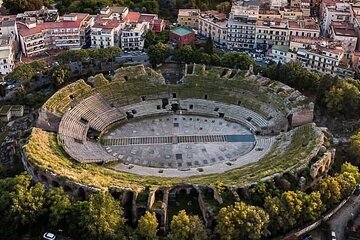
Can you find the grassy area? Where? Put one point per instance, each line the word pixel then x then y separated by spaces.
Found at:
pixel 129 83
pixel 44 152
pixel 67 96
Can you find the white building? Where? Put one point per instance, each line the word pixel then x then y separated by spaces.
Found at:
pixel 70 32
pixel 333 12
pixel 7 54
pixel 346 34
pixel 133 36
pixel 241 27
pixel 213 24
pixel 272 32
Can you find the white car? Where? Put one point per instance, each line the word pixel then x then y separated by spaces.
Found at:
pixel 333 236
pixel 49 236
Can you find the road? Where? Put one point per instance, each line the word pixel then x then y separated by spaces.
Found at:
pixel 338 221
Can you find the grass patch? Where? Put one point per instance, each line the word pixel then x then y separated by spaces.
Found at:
pixel 44 152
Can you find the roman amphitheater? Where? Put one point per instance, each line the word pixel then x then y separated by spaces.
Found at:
pixel 197 145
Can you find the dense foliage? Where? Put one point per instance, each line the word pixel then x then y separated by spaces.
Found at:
pixel 26 207
pixel 337 97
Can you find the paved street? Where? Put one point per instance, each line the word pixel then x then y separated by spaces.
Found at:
pixel 338 222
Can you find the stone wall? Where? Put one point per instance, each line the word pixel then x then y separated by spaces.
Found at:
pixel 302 117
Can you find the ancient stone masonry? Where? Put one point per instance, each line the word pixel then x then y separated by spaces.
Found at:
pixel 169 144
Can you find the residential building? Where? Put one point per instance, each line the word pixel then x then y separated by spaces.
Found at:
pixel 291 13
pixel 182 36
pixel 241 27
pixel 333 12
pixel 213 24
pixel 189 18
pixel 8 43
pixel 271 32
pixel 7 54
pixel 133 36
pixel 307 27
pixel 346 34
pixel 278 54
pixel 117 26
pixel 105 33
pixel 67 33
pixel 277 4
pixel 265 14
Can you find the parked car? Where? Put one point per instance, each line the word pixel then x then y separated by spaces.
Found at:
pixel 49 236
pixel 333 236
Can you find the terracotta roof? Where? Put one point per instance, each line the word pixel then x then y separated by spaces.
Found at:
pixel 132 17
pixel 147 18
pixel 106 23
pixel 25 31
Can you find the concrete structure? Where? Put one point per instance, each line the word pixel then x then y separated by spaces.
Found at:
pixel 182 36
pixel 9 111
pixel 117 26
pixel 189 18
pixel 279 53
pixel 241 27
pixel 70 32
pixel 271 32
pixel 333 12
pixel 7 54
pixel 214 24
pixel 133 36
pixel 307 28
pixel 345 33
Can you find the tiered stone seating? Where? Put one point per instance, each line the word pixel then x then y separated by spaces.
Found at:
pixel 71 127
pixel 85 151
pixel 144 108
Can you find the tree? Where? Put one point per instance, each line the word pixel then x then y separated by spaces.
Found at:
pixel 224 7
pixel 158 53
pixel 184 54
pixel 209 46
pixel 197 229
pixel 101 217
pixel 180 226
pixel 330 190
pixel 313 207
pixel 241 221
pixel 58 207
pixel 147 225
pixel 15 6
pixel 349 168
pixel 60 75
pixel 27 202
pixel 237 60
pixel 149 39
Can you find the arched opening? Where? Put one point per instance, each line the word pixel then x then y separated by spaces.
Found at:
pixel 140 211
pixel 209 193
pixel 67 189
pixel 127 205
pixel 55 184
pixel 159 218
pixel 182 191
pixel 43 178
pixel 81 194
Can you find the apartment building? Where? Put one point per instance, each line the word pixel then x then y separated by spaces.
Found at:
pixel 117 26
pixel 242 27
pixel 7 54
pixel 8 43
pixel 331 11
pixel 133 36
pixel 345 33
pixel 291 13
pixel 67 33
pixel 214 24
pixel 266 14
pixel 307 27
pixel 272 32
pixel 323 59
pixel 189 18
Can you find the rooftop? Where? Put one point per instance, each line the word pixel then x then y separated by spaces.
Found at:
pixel 188 12
pixel 182 31
pixel 307 23
pixel 24 30
pixel 343 29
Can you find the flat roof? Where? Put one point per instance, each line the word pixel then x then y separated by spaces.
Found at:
pixel 182 31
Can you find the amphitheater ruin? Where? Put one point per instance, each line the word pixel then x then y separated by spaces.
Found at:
pixel 164 147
